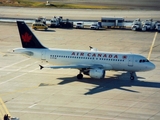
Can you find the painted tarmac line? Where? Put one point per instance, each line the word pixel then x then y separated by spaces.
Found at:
pixel 32 105
pixel 3 109
pixel 12 78
pixel 18 76
pixel 14 63
pixel 63 114
pixel 150 51
pixel 11 71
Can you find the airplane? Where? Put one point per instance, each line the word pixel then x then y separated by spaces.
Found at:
pixel 91 62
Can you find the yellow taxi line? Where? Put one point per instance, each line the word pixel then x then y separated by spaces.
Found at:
pixel 3 109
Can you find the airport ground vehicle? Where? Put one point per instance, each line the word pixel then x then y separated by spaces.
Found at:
pixel 112 22
pixel 137 25
pixel 145 25
pixel 60 23
pixel 39 25
pixel 95 26
pixel 148 25
pixel 115 22
pixel 41 19
pixel 157 26
pixel 79 25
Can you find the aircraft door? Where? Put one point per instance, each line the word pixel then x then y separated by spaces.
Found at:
pixel 43 55
pixel 130 61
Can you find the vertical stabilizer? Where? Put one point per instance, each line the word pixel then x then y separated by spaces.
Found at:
pixel 28 39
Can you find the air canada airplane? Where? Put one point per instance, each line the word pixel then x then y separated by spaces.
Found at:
pixel 92 62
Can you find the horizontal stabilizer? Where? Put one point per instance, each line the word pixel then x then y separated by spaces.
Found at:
pixel 41 67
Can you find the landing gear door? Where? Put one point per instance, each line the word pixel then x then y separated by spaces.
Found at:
pixel 43 55
pixel 130 61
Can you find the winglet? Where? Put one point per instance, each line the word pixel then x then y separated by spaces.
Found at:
pixel 41 67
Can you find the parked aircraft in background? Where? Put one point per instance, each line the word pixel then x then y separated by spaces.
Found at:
pixel 92 62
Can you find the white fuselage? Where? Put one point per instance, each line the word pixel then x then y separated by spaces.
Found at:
pixel 109 60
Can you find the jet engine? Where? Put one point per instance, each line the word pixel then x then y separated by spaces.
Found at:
pixel 97 73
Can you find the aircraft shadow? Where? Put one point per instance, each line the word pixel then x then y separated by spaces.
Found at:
pixel 111 83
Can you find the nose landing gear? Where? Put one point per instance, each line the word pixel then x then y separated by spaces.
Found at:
pixel 132 75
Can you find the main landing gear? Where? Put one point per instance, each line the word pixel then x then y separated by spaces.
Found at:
pixel 80 76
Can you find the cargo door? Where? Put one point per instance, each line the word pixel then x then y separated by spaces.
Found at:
pixel 130 61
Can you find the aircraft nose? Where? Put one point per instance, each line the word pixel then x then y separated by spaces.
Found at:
pixel 151 66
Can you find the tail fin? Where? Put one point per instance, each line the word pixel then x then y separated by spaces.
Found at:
pixel 28 39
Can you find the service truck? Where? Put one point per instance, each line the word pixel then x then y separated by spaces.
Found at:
pixel 95 26
pixel 112 22
pixel 60 23
pixel 157 26
pixel 79 25
pixel 148 25
pixel 136 25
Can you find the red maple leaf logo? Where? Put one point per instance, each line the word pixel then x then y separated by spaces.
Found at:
pixel 124 57
pixel 26 37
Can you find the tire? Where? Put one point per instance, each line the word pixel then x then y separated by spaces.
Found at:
pixel 132 78
pixel 134 29
pixel 79 76
pixel 35 28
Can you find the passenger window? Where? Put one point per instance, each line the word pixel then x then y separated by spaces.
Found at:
pixel 140 61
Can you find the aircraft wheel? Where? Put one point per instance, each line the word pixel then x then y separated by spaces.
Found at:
pixel 79 76
pixel 132 78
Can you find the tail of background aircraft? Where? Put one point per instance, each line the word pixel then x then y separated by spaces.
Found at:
pixel 28 39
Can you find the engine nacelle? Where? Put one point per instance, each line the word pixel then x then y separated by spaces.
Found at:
pixel 97 73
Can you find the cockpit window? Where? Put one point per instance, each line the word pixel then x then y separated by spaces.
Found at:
pixel 143 60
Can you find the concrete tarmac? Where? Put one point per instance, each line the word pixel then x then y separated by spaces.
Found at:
pixel 30 93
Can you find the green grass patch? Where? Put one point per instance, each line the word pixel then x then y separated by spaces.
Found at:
pixel 30 3
pixel 22 3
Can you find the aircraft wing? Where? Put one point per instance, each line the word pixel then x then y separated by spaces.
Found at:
pixel 78 66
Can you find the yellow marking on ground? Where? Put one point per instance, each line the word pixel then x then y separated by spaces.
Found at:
pixel 3 110
pixel 149 54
